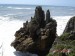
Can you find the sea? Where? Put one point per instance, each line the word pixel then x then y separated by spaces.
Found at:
pixel 13 16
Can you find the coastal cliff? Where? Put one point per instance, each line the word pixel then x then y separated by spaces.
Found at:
pixel 64 45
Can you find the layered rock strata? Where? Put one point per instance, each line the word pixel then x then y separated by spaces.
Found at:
pixel 38 35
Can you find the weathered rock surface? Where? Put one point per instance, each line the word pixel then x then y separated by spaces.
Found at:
pixel 36 36
pixel 70 25
pixel 70 28
pixel 48 17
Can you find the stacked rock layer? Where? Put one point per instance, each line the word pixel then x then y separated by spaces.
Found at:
pixel 36 36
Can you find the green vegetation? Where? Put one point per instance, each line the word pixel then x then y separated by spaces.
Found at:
pixel 64 36
pixel 65 44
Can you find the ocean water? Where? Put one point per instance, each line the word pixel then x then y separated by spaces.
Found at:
pixel 13 16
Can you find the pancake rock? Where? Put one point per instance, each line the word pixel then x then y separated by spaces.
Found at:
pixel 36 36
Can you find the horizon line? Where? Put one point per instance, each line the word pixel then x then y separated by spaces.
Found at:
pixel 38 5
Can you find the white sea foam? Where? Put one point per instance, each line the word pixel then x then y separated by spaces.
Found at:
pixel 9 15
pixel 61 23
pixel 4 18
pixel 8 28
pixel 9 7
pixel 22 8
pixel 19 8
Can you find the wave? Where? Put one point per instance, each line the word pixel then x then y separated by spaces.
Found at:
pixel 19 8
pixel 71 9
pixel 8 28
pixel 4 18
pixel 61 23
pixel 9 7
pixel 9 14
pixel 23 8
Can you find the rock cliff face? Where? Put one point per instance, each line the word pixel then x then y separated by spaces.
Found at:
pixel 36 36
pixel 70 25
pixel 65 44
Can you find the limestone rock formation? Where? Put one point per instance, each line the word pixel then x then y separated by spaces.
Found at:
pixel 36 36
pixel 48 17
pixel 39 16
pixel 70 25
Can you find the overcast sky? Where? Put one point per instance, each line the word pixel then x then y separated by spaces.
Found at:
pixel 40 2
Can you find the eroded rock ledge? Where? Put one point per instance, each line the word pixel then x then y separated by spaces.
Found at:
pixel 38 35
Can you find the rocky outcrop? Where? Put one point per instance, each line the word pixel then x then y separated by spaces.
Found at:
pixel 48 17
pixel 65 44
pixel 40 16
pixel 70 25
pixel 36 36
